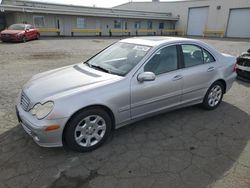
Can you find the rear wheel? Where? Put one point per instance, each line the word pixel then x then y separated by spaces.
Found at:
pixel 87 130
pixel 213 96
pixel 38 36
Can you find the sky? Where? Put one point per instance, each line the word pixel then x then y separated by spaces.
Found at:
pixel 97 3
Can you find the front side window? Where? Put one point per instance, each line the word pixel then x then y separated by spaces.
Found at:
pixel 192 55
pixel 80 22
pixel 163 61
pixel 119 58
pixel 117 24
pixel 39 21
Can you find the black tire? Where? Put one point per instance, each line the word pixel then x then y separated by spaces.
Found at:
pixel 24 39
pixel 69 132
pixel 38 36
pixel 205 104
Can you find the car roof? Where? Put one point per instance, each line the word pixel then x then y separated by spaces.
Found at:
pixel 156 40
pixel 20 24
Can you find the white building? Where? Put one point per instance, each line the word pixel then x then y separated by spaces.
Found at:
pixel 223 18
pixel 231 17
pixel 79 20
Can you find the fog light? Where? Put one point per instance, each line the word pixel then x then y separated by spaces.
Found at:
pixel 52 128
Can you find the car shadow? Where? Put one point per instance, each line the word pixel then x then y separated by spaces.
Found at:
pixel 242 82
pixel 189 147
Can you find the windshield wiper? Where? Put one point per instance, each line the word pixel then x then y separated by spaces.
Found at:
pixel 100 68
pixel 88 64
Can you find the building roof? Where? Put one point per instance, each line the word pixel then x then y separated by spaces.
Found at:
pixel 51 8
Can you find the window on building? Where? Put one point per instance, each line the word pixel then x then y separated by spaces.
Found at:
pixel 117 24
pixel 161 25
pixel 150 25
pixel 39 21
pixel 80 22
pixel 137 25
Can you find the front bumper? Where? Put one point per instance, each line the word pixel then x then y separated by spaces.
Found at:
pixel 10 39
pixel 36 128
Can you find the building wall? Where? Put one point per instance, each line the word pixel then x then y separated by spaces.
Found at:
pixel 68 22
pixel 217 19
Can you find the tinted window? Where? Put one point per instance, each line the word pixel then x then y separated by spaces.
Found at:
pixel 161 25
pixel 193 55
pixel 208 58
pixel 163 61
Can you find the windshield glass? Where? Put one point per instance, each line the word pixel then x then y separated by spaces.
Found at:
pixel 17 27
pixel 119 58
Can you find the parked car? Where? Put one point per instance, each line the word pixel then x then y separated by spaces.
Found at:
pixel 243 66
pixel 79 105
pixel 19 33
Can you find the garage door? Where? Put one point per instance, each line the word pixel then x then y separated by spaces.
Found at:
pixel 197 19
pixel 239 23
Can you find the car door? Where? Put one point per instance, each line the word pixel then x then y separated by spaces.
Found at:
pixel 165 91
pixel 199 71
pixel 28 32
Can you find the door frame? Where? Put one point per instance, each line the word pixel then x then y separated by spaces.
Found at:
pixel 141 69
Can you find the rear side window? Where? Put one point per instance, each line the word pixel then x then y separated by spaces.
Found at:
pixel 192 55
pixel 195 55
pixel 208 58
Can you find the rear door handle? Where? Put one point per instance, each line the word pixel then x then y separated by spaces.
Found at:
pixel 210 69
pixel 177 77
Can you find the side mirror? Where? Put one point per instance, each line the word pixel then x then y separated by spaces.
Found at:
pixel 146 76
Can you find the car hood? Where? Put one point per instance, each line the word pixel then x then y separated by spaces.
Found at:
pixel 11 31
pixel 74 77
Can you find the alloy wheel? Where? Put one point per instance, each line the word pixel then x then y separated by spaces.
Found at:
pixel 90 130
pixel 214 95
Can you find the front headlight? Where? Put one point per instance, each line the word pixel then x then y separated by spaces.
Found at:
pixel 42 110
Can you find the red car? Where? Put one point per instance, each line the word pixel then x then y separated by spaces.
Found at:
pixel 19 33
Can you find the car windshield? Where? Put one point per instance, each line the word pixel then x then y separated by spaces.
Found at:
pixel 17 27
pixel 119 58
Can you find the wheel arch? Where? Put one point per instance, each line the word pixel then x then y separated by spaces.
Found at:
pixel 224 84
pixel 103 107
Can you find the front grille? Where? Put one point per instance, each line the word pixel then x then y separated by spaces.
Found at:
pixel 25 102
pixel 8 36
pixel 27 130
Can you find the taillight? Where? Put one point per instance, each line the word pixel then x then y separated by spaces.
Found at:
pixel 235 67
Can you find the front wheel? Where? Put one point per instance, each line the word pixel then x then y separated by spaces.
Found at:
pixel 24 39
pixel 213 96
pixel 87 130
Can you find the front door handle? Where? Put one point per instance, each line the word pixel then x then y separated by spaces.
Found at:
pixel 177 77
pixel 210 69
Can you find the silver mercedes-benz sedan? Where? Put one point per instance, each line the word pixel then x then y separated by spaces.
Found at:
pixel 79 105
